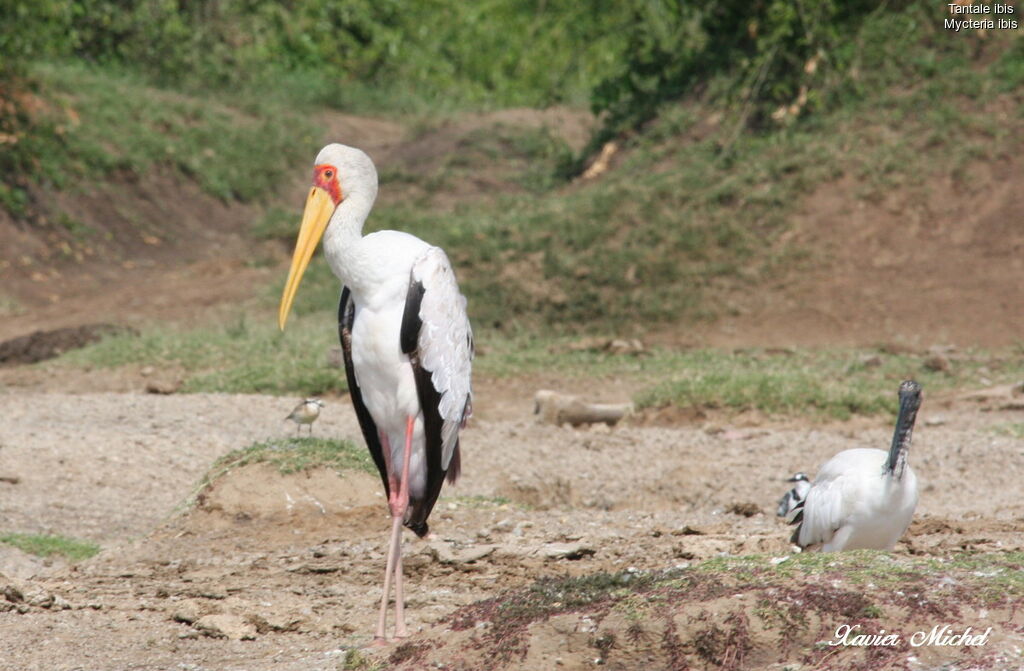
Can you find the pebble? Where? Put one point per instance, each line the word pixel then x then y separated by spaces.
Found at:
pixel 571 551
pixel 186 611
pixel 503 526
pixel 227 626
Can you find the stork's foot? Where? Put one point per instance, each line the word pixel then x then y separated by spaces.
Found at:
pixel 384 641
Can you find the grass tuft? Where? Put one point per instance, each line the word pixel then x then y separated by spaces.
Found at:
pixel 292 455
pixel 1011 429
pixel 43 545
pixel 356 660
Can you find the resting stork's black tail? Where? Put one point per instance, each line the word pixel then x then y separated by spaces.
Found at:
pixel 798 519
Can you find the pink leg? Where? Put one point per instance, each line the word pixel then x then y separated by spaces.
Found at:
pixel 380 638
pixel 400 630
pixel 398 502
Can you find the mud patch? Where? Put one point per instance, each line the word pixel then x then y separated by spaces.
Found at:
pixel 43 345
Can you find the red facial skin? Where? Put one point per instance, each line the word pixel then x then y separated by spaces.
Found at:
pixel 326 177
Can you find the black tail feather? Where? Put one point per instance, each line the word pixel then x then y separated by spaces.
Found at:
pixel 421 529
pixel 798 519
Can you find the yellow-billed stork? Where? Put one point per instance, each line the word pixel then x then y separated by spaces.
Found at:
pixel 407 343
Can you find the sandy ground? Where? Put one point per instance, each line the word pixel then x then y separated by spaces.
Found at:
pixel 291 564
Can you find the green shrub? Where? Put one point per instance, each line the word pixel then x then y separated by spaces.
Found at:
pixel 765 58
pixel 32 29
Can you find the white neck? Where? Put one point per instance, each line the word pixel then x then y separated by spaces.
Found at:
pixel 342 237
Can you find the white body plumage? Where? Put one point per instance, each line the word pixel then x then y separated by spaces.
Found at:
pixel 854 503
pixel 390 259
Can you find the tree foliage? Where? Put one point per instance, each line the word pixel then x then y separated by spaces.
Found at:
pixel 767 58
pixel 32 29
pixel 505 52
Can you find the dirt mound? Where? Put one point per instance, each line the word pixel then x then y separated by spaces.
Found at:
pixel 42 345
pixel 261 490
pixel 260 496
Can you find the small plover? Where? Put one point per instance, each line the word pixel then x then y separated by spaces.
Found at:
pixel 305 414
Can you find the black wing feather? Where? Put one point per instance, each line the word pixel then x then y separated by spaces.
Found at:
pixel 346 318
pixel 433 423
pixel 411 322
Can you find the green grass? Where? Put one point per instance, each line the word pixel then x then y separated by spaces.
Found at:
pixel 292 455
pixel 241 357
pixel 1011 429
pixel 109 121
pixel 479 502
pixel 829 382
pixel 43 545
pixel 248 357
pixel 819 383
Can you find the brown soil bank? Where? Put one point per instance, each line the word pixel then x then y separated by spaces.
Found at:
pixel 940 262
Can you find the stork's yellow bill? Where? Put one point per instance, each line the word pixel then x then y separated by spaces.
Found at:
pixel 319 208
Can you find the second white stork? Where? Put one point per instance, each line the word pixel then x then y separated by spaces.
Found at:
pixel 863 498
pixel 407 344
